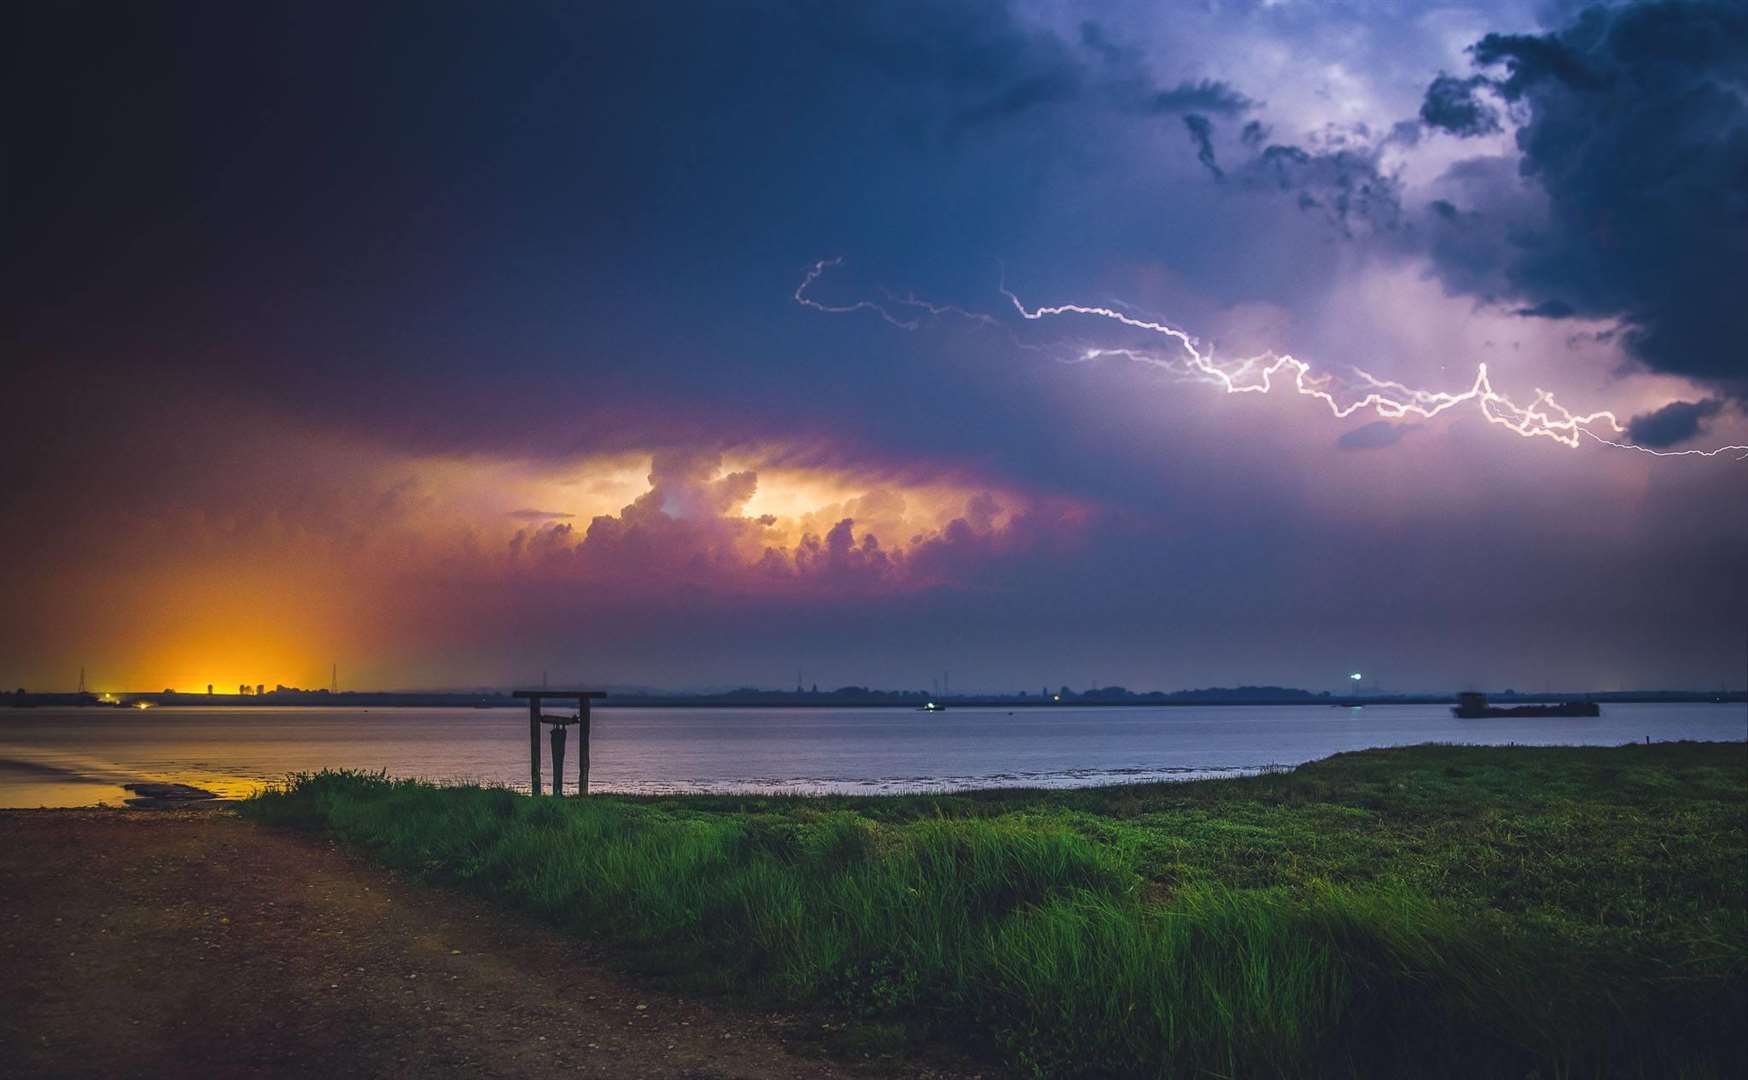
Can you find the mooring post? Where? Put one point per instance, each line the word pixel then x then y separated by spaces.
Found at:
pixel 582 746
pixel 558 759
pixel 534 745
pixel 559 736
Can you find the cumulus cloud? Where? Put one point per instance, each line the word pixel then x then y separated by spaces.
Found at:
pixel 1635 130
pixel 690 529
pixel 1674 423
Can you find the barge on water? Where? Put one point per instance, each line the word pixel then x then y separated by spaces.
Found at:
pixel 1472 706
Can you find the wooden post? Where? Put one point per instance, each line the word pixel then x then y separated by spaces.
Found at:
pixel 559 736
pixel 582 746
pixel 558 759
pixel 534 745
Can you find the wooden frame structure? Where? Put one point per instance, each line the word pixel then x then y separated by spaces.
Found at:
pixel 558 725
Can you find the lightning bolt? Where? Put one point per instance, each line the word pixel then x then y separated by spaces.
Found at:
pixel 1186 358
pixel 813 275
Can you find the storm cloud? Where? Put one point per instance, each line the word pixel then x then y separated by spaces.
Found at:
pixel 313 311
pixel 1453 105
pixel 1206 96
pixel 1340 177
pixel 1676 422
pixel 1636 131
pixel 1202 134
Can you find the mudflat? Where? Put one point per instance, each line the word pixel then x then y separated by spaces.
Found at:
pixel 194 943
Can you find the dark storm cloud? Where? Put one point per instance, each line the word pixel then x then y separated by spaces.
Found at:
pixel 1452 105
pixel 1126 79
pixel 1548 309
pixel 1202 135
pixel 1544 59
pixel 547 235
pixel 1470 247
pixel 425 225
pixel 467 214
pixel 1636 131
pixel 1341 179
pixel 1207 96
pixel 1674 423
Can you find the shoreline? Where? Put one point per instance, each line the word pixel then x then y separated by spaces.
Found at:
pixel 1352 854
pixel 898 699
pixel 49 776
pixel 1518 906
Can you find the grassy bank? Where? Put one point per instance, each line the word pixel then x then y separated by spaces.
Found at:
pixel 1435 910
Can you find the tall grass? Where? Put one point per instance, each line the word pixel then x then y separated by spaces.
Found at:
pixel 1043 941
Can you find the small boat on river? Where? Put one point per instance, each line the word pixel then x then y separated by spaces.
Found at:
pixel 1472 706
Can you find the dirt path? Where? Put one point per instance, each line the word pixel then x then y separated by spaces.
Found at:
pixel 192 943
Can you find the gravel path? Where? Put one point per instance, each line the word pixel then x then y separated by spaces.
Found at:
pixel 193 943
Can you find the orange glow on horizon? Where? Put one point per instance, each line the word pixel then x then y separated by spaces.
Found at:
pixel 374 572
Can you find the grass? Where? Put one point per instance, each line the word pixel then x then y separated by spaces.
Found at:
pixel 1431 910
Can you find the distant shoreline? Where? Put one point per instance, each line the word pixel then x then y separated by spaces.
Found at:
pixel 836 699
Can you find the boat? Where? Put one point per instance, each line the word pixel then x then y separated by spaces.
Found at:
pixel 931 706
pixel 1472 706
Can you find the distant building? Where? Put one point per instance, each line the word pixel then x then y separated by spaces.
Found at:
pixel 209 688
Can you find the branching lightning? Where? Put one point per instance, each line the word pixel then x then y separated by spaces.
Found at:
pixel 1186 358
pixel 813 275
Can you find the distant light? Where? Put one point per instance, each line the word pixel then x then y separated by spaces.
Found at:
pixel 142 704
pixel 1355 676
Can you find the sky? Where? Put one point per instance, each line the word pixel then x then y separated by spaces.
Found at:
pixel 717 345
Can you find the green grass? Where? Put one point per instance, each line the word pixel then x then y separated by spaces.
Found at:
pixel 1431 910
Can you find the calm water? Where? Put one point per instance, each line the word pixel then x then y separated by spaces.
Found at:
pixel 77 757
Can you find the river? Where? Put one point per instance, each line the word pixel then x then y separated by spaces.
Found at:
pixel 81 757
